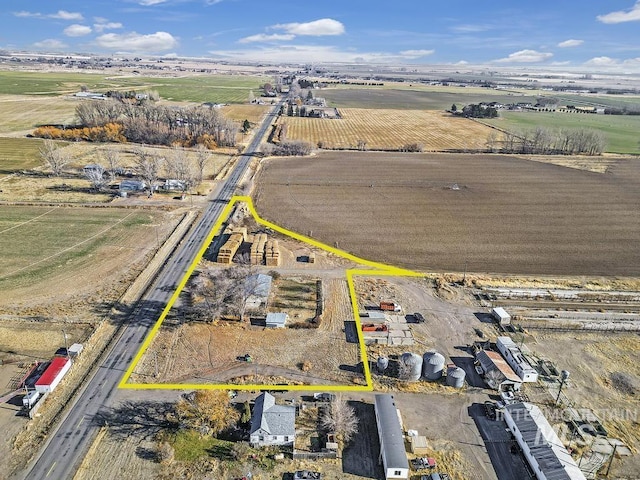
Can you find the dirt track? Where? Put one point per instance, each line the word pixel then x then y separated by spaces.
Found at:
pixel 493 214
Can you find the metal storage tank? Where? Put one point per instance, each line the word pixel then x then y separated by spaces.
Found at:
pixel 455 377
pixel 382 364
pixel 433 366
pixel 410 367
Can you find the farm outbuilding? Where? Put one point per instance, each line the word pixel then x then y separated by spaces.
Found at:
pixel 544 451
pixel 276 320
pixel 54 373
pixel 393 455
pixel 501 316
pixel 497 372
pixel 132 186
pixel 512 353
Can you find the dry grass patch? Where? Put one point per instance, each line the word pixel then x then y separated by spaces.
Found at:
pixel 389 130
pixel 22 113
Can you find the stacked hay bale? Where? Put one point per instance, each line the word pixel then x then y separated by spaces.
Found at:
pixel 272 253
pixel 236 235
pixel 257 249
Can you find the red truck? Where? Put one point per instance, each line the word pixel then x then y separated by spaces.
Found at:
pixel 390 306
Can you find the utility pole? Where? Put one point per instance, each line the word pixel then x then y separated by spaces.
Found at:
pixel 564 376
pixel 66 349
pixel 613 455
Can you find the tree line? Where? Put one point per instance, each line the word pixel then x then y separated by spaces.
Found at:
pixel 546 141
pixel 149 123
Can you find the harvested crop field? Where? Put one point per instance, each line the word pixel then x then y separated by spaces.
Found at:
pixel 21 114
pixel 442 212
pixel 389 129
pixel 54 252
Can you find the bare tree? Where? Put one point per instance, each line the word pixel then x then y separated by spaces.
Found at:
pixel 54 157
pixel 208 411
pixel 340 419
pixel 95 175
pixel 180 167
pixel 112 159
pixel 148 167
pixel 362 145
pixel 202 159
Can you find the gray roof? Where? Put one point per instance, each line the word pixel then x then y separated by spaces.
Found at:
pixel 554 460
pixel 276 318
pixel 390 432
pixel 272 419
pixel 258 285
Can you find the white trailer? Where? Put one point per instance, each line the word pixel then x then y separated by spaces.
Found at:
pixel 501 316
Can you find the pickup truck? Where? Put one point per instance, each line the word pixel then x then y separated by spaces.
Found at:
pixel 324 397
pixel 307 475
pixel 390 306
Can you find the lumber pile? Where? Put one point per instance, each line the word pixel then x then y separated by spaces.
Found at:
pixel 257 249
pixel 272 253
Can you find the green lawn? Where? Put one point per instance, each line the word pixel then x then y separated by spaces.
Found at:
pixel 622 131
pixel 192 88
pixel 19 154
pixel 189 445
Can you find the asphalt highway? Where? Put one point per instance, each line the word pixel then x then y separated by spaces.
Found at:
pixel 67 444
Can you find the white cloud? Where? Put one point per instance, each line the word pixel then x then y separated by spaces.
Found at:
pixel 471 28
pixel 264 37
pixel 135 42
pixel 51 44
pixel 76 30
pixel 601 61
pixel 298 54
pixel 64 15
pixel 59 15
pixel 621 16
pixel 322 27
pixel 526 56
pixel 416 53
pixel 103 24
pixel 147 3
pixel 570 43
pixel 462 62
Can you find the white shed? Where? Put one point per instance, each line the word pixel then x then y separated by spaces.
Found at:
pixel 501 316
pixel 276 320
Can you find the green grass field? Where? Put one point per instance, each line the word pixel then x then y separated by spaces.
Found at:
pixel 19 154
pixel 41 242
pixel 195 88
pixel 622 131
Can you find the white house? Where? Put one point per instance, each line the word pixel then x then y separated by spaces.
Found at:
pixel 272 424
pixel 513 355
pixel 392 452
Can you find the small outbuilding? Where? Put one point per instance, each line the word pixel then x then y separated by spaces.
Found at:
pixel 501 316
pixel 497 372
pixel 276 320
pixel 393 455
pixel 52 376
pixel 132 186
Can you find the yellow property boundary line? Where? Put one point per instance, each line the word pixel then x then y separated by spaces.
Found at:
pixel 377 269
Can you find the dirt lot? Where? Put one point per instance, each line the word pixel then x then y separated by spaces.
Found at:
pixel 207 353
pixel 496 214
pixel 389 129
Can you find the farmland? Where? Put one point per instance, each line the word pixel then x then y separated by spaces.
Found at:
pixel 19 154
pixel 416 97
pixel 621 131
pixel 52 252
pixel 389 129
pixel 21 114
pixel 493 214
pixel 195 88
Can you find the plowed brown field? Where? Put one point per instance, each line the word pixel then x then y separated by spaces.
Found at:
pixel 495 214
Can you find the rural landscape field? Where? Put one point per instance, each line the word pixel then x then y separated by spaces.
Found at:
pixel 495 214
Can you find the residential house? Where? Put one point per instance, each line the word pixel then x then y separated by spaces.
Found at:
pixel 272 424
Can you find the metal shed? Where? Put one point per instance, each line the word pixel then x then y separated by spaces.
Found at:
pixel 276 320
pixel 393 455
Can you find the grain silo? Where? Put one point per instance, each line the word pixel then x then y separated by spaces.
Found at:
pixel 433 365
pixel 382 364
pixel 455 377
pixel 410 367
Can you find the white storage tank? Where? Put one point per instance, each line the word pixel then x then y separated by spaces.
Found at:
pixel 410 368
pixel 433 365
pixel 455 377
pixel 382 364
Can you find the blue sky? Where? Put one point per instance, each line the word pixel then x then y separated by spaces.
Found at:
pixel 600 35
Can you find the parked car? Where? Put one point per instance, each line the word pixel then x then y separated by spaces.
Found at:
pixel 324 397
pixel 418 317
pixel 423 463
pixel 307 475
pixel 435 476
pixel 490 410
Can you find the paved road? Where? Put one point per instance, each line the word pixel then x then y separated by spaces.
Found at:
pixel 68 444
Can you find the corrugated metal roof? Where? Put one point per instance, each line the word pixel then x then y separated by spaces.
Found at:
pixel 276 318
pixel 390 432
pixel 554 460
pixel 490 360
pixel 52 371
